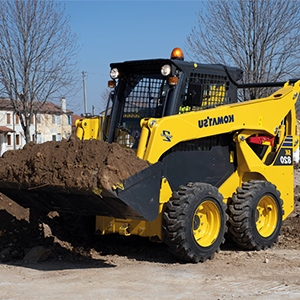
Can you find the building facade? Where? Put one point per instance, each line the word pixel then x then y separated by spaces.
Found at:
pixel 51 123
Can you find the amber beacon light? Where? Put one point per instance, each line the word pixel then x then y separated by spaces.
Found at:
pixel 177 54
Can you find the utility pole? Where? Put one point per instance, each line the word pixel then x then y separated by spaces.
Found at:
pixel 84 92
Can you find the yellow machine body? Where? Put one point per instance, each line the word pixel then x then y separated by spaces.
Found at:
pixel 247 119
pixel 107 225
pixel 90 128
pixel 262 117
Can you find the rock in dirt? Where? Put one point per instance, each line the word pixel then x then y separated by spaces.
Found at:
pixel 37 254
pixel 5 255
pixel 53 214
pixel 47 230
pixel 19 212
pixel 73 163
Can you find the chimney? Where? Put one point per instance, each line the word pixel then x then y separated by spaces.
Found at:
pixel 63 104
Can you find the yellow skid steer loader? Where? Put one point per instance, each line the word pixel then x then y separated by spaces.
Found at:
pixel 216 163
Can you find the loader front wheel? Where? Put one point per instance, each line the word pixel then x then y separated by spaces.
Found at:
pixel 256 215
pixel 194 222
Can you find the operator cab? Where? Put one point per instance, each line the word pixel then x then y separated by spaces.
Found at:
pixel 162 87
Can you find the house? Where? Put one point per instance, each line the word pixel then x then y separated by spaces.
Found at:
pixel 51 123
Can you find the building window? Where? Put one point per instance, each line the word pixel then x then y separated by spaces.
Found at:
pixel 8 119
pixel 17 139
pixel 32 137
pixel 8 139
pixel 58 120
pixel 17 119
pixel 39 138
pixel 54 138
pixel 58 137
pixel 53 119
pixel 69 120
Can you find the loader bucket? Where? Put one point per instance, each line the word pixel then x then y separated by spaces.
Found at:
pixel 136 198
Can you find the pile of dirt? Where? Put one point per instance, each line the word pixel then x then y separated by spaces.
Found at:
pixel 290 237
pixel 72 163
pixel 28 236
pixel 33 236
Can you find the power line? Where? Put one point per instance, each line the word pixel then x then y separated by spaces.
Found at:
pixel 99 74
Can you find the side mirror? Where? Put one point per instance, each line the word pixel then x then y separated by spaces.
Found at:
pixel 111 95
pixel 195 94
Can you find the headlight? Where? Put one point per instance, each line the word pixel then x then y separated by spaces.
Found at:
pixel 114 73
pixel 166 70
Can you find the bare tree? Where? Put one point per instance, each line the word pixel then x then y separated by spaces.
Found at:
pixel 37 55
pixel 262 37
pixel 105 97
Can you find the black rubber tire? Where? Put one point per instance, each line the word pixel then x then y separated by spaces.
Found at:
pixel 178 222
pixel 243 215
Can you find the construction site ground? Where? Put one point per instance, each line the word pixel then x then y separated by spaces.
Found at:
pixel 48 257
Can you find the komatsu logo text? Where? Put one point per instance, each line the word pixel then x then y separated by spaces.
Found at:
pixel 216 121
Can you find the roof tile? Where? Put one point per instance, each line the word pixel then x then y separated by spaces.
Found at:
pixel 48 107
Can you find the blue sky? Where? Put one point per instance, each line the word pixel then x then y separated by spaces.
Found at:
pixel 115 31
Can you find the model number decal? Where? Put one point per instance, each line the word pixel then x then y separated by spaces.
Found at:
pixel 285 157
pixel 215 121
pixel 288 152
pixel 167 136
pixel 285 160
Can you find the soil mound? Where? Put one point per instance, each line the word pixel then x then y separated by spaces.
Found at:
pixel 291 226
pixel 72 163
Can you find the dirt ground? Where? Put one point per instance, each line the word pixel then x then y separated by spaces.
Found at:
pixel 115 267
pixel 42 258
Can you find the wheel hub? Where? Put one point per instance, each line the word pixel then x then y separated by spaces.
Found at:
pixel 206 223
pixel 196 222
pixel 266 216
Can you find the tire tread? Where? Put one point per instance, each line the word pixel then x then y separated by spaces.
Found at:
pixel 175 219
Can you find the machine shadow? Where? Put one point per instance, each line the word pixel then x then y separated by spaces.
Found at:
pixel 69 245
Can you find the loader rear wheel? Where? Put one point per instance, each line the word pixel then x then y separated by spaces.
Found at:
pixel 195 222
pixel 256 215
